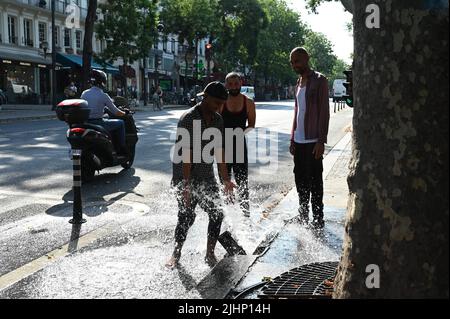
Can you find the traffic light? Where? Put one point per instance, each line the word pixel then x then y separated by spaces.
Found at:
pixel 208 51
pixel 349 87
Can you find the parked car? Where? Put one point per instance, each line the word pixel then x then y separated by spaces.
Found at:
pixel 3 99
pixel 249 91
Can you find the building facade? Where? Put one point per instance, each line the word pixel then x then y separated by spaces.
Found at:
pixel 26 50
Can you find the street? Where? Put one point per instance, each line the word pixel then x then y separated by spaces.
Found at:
pixel 131 214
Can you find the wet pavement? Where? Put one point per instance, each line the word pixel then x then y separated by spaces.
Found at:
pixel 121 251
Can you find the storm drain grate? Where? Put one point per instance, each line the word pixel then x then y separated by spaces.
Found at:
pixel 308 281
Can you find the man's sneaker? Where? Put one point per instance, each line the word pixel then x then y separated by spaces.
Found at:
pixel 303 217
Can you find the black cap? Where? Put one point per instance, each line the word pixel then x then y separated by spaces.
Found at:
pixel 215 89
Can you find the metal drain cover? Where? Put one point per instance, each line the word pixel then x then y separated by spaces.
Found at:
pixel 310 281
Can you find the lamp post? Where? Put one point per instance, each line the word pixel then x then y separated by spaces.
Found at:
pixel 44 47
pixel 196 58
pixel 53 57
pixel 145 63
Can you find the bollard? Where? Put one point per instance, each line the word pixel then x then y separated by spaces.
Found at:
pixel 77 203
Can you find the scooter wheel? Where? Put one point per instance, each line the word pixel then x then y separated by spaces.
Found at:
pixel 130 161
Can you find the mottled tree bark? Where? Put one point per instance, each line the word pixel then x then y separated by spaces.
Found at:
pixel 398 208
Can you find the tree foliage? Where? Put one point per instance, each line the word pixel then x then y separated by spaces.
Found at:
pixel 254 37
pixel 190 20
pixel 240 23
pixel 321 52
pixel 284 32
pixel 128 28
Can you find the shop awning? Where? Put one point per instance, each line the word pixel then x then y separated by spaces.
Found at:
pixel 24 57
pixel 72 60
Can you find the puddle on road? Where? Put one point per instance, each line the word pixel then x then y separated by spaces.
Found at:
pixel 130 262
pixel 130 271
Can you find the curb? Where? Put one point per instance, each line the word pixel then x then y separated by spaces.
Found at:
pixel 30 118
pixel 51 117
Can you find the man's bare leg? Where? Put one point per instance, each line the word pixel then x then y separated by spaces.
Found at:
pixel 173 261
pixel 211 258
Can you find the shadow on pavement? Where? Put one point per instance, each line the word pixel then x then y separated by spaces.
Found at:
pixel 125 182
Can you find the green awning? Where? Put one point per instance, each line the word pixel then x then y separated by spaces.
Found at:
pixel 72 60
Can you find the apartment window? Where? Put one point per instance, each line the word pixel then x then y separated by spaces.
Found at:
pixel 28 32
pixel 165 45
pixel 58 34
pixel 12 29
pixel 42 32
pixel 78 34
pixel 67 37
pixel 173 45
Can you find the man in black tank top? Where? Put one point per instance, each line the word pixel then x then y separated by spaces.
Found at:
pixel 238 113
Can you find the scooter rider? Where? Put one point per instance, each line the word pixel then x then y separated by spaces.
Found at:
pixel 97 101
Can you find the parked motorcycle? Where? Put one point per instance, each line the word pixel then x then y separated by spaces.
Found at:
pixel 99 150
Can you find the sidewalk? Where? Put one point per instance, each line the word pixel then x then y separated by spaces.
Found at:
pixel 289 244
pixel 296 245
pixel 13 113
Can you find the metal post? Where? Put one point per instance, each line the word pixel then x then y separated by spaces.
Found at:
pixel 145 81
pixel 208 68
pixel 77 202
pixel 196 60
pixel 145 65
pixel 156 70
pixel 53 57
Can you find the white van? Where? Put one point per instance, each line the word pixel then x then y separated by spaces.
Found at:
pixel 339 90
pixel 248 91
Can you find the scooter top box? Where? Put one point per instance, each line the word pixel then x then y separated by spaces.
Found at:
pixel 73 111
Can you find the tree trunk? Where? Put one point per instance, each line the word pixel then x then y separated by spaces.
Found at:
pixel 87 43
pixel 398 211
pixel 125 77
pixel 186 71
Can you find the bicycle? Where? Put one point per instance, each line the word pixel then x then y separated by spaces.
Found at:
pixel 156 100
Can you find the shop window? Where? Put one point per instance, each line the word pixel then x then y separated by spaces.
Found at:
pixel 58 34
pixel 20 84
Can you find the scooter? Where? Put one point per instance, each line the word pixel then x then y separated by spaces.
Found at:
pixel 98 147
